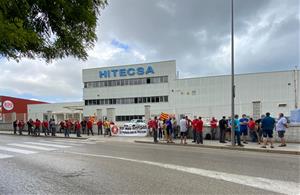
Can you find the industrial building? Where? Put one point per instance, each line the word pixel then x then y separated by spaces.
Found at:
pixel 12 108
pixel 121 93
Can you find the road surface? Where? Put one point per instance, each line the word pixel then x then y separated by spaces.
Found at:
pixel 34 165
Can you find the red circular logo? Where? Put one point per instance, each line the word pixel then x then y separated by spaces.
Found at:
pixel 8 105
pixel 114 129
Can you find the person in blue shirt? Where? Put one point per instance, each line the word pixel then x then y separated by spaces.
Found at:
pixel 267 125
pixel 237 134
pixel 244 128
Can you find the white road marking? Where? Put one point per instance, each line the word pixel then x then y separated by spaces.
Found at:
pixel 32 147
pixel 284 187
pixel 2 156
pixel 17 150
pixel 77 141
pixel 44 144
pixel 54 142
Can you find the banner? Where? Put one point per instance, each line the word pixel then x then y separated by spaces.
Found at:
pixel 129 131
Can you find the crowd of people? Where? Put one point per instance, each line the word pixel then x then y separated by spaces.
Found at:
pixel 50 128
pixel 245 128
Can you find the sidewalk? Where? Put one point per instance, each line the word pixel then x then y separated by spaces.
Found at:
pixel 58 135
pixel 291 148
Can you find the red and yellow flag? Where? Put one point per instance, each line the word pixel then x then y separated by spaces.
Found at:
pixel 164 116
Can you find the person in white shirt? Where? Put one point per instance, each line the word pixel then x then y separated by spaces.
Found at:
pixel 281 128
pixel 183 130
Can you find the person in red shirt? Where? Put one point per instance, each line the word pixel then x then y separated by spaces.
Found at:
pixel 199 130
pixel 194 124
pixel 154 126
pixel 21 126
pixel 99 125
pixel 45 127
pixel 37 125
pixel 61 126
pixel 90 127
pixel 77 128
pixel 213 127
pixel 253 131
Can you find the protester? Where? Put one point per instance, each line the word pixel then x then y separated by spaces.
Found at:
pixel 61 126
pixel 188 125
pixel 77 128
pixel 237 130
pixel 106 125
pixel 154 126
pixel 160 129
pixel 213 127
pixel 37 125
pixel 174 127
pixel 52 127
pixel 83 125
pixel 99 125
pixel 45 127
pixel 253 131
pixel 267 125
pixel 183 129
pixel 90 127
pixel 30 126
pixel 199 130
pixel 228 129
pixel 69 126
pixel 169 130
pixel 194 123
pixel 15 125
pixel 21 126
pixel 222 126
pixel 244 128
pixel 281 128
pixel 259 130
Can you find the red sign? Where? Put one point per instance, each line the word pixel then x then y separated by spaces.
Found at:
pixel 8 105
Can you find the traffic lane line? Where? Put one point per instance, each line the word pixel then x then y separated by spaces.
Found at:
pixel 32 147
pixel 16 150
pixel 52 145
pixel 54 142
pixel 277 186
pixel 3 156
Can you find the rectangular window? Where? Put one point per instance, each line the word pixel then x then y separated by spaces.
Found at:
pixel 165 79
pixel 102 102
pixel 165 98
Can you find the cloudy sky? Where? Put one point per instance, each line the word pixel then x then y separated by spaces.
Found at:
pixel 196 33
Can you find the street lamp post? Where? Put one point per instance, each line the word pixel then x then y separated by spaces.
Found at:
pixel 232 78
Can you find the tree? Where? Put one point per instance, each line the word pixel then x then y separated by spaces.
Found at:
pixel 48 29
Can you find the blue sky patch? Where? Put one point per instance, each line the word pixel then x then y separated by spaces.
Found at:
pixel 119 44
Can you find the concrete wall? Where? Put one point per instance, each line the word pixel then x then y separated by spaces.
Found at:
pixel 201 96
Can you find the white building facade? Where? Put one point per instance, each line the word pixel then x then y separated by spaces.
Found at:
pixel 121 93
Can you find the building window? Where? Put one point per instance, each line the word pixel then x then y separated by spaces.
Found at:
pixel 128 117
pixel 133 100
pixel 282 105
pixel 122 82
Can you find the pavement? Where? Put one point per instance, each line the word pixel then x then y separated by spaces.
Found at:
pixel 291 148
pixel 118 165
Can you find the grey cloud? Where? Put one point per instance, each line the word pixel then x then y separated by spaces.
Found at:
pixel 196 33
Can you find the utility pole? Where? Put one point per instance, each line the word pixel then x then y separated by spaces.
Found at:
pixel 232 78
pixel 296 86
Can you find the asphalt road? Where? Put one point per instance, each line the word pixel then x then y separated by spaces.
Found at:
pixel 30 165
